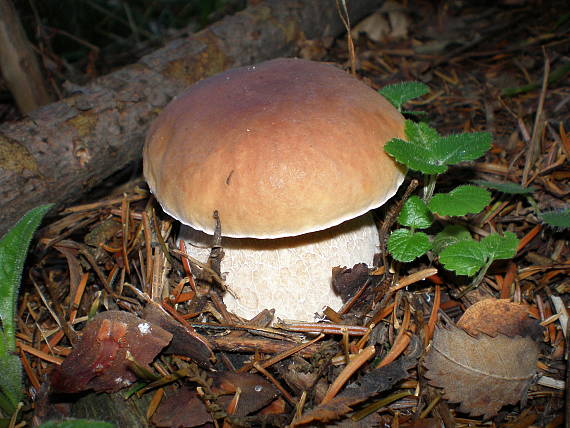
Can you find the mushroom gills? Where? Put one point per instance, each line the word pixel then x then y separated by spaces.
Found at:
pixel 291 275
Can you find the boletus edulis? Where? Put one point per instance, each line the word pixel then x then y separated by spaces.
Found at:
pixel 290 153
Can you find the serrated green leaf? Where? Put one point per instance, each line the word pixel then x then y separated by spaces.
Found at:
pixel 457 148
pixel 559 219
pixel 415 213
pixel 405 246
pixel 13 250
pixel 500 247
pixel 450 235
pixel 421 134
pixel 428 152
pixel 400 93
pixel 77 423
pixel 460 201
pixel 413 156
pixel 464 257
pixel 420 115
pixel 506 187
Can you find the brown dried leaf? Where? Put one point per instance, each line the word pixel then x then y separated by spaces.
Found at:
pixel 347 281
pixel 181 409
pixel 499 316
pixel 482 373
pixel 185 409
pixel 75 269
pixel 256 392
pixel 425 423
pixel 372 383
pixel 99 360
pixel 185 341
pixel 330 411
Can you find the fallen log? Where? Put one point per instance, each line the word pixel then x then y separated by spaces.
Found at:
pixel 62 150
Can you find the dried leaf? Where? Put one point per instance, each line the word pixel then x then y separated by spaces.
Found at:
pixel 181 409
pixel 99 361
pixel 425 423
pixel 347 281
pixel 330 411
pixel 185 409
pixel 372 383
pixel 482 373
pixel 299 375
pixel 499 316
pixel 184 340
pixel 256 392
pixel 75 269
pixel 376 27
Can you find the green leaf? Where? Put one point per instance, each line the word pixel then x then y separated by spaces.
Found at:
pixel 457 148
pixel 400 93
pixel 13 250
pixel 10 381
pixel 421 134
pixel 500 247
pixel 413 156
pixel 419 115
pixel 415 213
pixel 405 245
pixel 464 257
pixel 559 219
pixel 428 152
pixel 450 235
pixel 506 187
pixel 460 201
pixel 76 423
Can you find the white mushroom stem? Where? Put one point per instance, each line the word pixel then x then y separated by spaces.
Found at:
pixel 291 275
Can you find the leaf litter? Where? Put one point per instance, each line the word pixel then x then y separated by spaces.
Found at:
pixel 118 255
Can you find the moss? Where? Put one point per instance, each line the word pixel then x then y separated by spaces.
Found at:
pixel 84 123
pixel 209 61
pixel 15 157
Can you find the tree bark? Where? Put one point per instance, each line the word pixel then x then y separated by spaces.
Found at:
pixel 18 62
pixel 62 150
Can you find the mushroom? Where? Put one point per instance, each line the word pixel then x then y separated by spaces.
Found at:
pixel 291 155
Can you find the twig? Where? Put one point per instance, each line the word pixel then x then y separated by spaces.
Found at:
pixel 275 382
pixel 217 252
pixel 248 344
pixel 534 145
pixel 347 372
pixel 323 327
pixel 433 316
pixel 390 219
pixel 205 267
pixel 125 221
pixel 413 278
pixel 344 17
pixel 401 342
pixel 289 352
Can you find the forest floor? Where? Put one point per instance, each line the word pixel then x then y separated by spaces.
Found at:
pixel 501 67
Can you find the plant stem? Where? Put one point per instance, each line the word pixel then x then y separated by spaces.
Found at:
pixel 429 187
pixel 478 279
pixel 534 205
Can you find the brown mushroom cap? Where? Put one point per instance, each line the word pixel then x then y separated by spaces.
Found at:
pixel 279 149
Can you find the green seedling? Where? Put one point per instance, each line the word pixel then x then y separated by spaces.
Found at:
pixel 431 154
pixel 506 187
pixel 557 219
pixel 13 250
